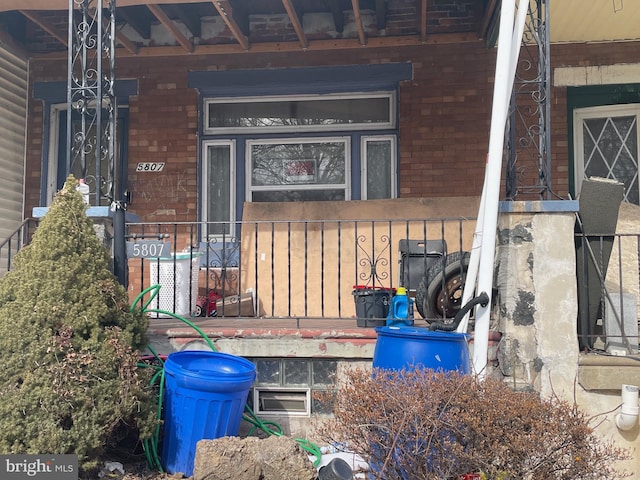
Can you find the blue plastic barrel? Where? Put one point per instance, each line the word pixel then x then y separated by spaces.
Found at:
pixel 406 348
pixel 205 395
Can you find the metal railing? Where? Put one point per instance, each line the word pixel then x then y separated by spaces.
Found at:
pixel 608 276
pixel 286 269
pixel 18 239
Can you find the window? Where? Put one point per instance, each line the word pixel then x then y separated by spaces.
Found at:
pixel 355 111
pixel 606 145
pixel 218 188
pixel 293 386
pixel 290 148
pixel 378 167
pixel 288 170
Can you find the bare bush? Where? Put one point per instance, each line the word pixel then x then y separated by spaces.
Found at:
pixel 423 425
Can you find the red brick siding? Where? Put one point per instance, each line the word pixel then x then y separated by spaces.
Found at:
pixel 444 113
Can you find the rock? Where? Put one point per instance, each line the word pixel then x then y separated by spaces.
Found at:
pixel 252 458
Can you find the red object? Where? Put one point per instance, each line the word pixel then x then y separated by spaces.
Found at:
pixel 207 307
pixel 470 476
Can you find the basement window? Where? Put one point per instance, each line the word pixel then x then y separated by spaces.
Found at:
pixel 282 401
pixel 294 386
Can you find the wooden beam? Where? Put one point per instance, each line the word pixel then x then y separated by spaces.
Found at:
pixel 190 20
pixel 358 19
pixel 226 12
pixel 36 18
pixel 133 20
pixel 12 44
pixel 423 21
pixel 295 21
pixel 169 25
pixel 381 14
pixel 404 41
pixel 130 46
pixel 337 13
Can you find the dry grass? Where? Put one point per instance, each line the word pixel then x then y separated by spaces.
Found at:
pixel 424 425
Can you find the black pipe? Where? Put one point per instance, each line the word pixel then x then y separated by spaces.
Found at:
pixel 482 299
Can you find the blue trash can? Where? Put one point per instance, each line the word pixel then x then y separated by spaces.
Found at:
pixel 205 395
pixel 404 348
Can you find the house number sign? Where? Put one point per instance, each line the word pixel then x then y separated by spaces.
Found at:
pixel 150 167
pixel 148 249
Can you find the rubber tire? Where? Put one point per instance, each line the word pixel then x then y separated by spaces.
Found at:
pixel 199 311
pixel 429 295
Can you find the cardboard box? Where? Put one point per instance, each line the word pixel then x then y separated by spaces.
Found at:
pixel 237 305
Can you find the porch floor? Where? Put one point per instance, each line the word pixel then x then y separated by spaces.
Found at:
pixel 170 334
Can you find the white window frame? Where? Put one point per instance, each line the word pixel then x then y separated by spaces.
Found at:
pixel 232 184
pixel 295 140
pixel 364 194
pixel 389 95
pixel 581 114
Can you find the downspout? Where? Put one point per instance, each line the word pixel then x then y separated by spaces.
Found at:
pixel 628 416
pixel 472 271
pixel 509 41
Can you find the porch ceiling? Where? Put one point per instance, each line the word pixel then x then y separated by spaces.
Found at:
pixel 175 27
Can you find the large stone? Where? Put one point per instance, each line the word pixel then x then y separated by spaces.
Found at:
pixel 252 458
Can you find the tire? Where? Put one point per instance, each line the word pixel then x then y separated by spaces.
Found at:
pixel 439 296
pixel 199 311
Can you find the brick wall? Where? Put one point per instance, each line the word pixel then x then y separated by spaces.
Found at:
pixel 445 113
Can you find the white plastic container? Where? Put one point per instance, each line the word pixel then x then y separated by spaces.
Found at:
pixel 184 281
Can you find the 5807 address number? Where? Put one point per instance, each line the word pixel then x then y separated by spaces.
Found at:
pixel 150 167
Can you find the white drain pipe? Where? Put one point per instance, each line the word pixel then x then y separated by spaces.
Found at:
pixel 628 416
pixel 474 261
pixel 509 40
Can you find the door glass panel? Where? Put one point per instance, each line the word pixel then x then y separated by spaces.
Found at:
pixel 610 150
pixel 218 188
pixel 379 175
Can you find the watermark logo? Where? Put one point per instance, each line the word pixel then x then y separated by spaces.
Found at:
pixel 39 467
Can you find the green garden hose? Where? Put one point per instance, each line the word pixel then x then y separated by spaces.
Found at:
pixel 151 445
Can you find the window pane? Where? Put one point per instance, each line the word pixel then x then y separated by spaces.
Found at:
pixel 611 151
pixel 296 372
pixel 317 163
pixel 218 188
pixel 288 113
pixel 268 372
pixel 299 196
pixel 324 372
pixel 379 175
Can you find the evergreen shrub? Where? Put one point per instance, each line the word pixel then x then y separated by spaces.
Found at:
pixel 69 345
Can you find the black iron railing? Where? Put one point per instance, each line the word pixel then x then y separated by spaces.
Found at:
pixel 287 269
pixel 608 275
pixel 14 242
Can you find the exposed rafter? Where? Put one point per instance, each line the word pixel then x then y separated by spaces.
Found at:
pixel 130 46
pixel 337 13
pixel 135 22
pixel 358 19
pixel 8 40
pixel 226 12
pixel 423 21
pixel 381 14
pixel 190 20
pixel 171 27
pixel 295 21
pixel 39 20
